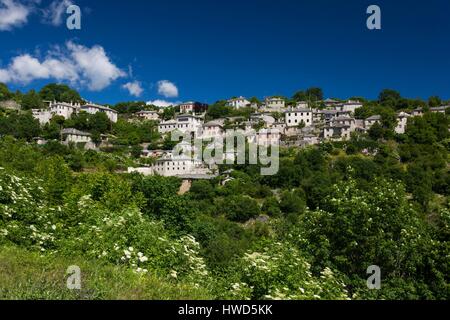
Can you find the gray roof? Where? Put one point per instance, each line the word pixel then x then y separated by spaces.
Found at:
pixel 327 111
pixel 331 100
pixel 375 117
pixel 343 118
pixel 75 132
pixel 442 108
pixel 187 116
pixel 90 105
pixel 212 124
pixel 337 126
pixel 197 176
pixel 298 110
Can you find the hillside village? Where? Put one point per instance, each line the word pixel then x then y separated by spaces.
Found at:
pixel 358 182
pixel 271 123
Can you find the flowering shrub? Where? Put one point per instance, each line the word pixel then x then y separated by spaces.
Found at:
pixel 123 236
pixel 24 217
pixel 278 271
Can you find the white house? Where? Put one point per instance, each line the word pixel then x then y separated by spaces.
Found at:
pixel 441 109
pixel 265 137
pixel 369 122
pixel 326 116
pixel 311 139
pixel 274 104
pixel 193 107
pixel 212 129
pixel 337 132
pixel 351 106
pixel 167 126
pixel 184 123
pixel 346 121
pixel 238 103
pixel 302 105
pixel 94 108
pixel 295 117
pixel 280 126
pixel 148 115
pixel 402 121
pixel 43 116
pixel 173 166
pixel 418 112
pixel 63 109
pixel 71 135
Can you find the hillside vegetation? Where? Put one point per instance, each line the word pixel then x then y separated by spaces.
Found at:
pixel 308 232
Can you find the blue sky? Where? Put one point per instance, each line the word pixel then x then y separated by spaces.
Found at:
pixel 208 50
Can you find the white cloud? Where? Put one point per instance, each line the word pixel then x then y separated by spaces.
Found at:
pixel 55 12
pixel 75 63
pixel 94 65
pixel 13 14
pixel 134 88
pixel 162 103
pixel 4 76
pixel 167 89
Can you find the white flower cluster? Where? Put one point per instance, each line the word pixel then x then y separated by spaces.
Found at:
pixel 135 259
pixel 284 274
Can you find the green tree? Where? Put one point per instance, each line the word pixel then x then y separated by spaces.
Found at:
pixel 59 92
pixel 202 190
pixel 99 122
pixel 32 100
pixel 21 126
pixel 5 94
pixel 434 102
pixel 239 208
pixel 56 177
pixel 292 203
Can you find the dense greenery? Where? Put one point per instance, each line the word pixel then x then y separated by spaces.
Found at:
pixel 308 232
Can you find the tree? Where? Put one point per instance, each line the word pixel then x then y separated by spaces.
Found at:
pixel 99 122
pixel 291 203
pixel 300 96
pixel 255 100
pixel 239 208
pixel 56 177
pixel 52 130
pixel 389 97
pixel 376 131
pixel 271 207
pixel 314 94
pixel 434 102
pixel 168 113
pixel 59 92
pixel 5 94
pixel 20 126
pixel 130 107
pixel 32 100
pixel 310 95
pixel 202 190
pixel 219 110
pixel 356 228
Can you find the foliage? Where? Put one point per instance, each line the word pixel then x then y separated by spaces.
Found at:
pixel 59 92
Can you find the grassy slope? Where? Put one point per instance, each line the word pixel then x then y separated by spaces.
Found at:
pixel 25 275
